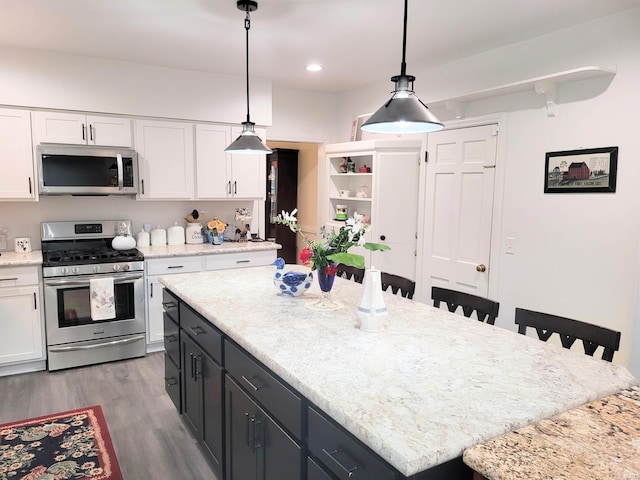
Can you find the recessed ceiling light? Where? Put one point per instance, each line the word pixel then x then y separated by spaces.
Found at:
pixel 313 67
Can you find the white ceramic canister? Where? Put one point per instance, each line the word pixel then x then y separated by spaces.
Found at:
pixel 175 234
pixel 158 237
pixel 193 233
pixel 143 239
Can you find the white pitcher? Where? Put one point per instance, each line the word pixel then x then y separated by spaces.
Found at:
pixel 372 310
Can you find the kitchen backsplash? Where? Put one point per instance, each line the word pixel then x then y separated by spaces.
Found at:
pixel 24 218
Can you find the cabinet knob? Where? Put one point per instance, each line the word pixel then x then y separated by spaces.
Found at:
pixel 383 237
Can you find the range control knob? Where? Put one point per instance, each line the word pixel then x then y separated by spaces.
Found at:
pixel 96 268
pixel 126 266
pixel 75 270
pixel 117 267
pixel 64 270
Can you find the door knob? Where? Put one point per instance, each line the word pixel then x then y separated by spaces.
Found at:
pixel 481 267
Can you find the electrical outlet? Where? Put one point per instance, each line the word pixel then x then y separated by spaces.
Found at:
pixel 5 238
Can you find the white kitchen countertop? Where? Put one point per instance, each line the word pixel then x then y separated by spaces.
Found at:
pixel 420 392
pixel 13 259
pixel 206 249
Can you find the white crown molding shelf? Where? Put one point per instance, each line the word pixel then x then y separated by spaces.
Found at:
pixel 545 85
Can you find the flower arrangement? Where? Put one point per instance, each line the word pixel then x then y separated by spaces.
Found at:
pixel 333 247
pixel 214 227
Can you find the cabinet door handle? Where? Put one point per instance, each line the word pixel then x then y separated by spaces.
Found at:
pixel 251 384
pixel 91 132
pixel 84 136
pixel 151 290
pixel 175 266
pixel 235 187
pixel 347 470
pixel 8 279
pixel 229 187
pixel 258 433
pixel 142 184
pixel 30 190
pixel 247 420
pixel 197 359
pixel 383 237
pixel 193 369
pixel 168 305
pixel 35 301
pixel 243 261
pixel 170 338
pixel 171 381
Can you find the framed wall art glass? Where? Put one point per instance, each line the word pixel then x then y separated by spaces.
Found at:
pixel 581 171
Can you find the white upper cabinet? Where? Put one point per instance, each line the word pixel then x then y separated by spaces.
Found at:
pixel 222 176
pixel 80 129
pixel 165 160
pixel 17 179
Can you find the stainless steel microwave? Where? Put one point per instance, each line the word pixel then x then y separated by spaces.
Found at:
pixel 86 170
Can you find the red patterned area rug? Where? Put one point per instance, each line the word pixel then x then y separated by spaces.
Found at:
pixel 68 445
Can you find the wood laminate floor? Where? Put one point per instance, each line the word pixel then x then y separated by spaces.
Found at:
pixel 149 437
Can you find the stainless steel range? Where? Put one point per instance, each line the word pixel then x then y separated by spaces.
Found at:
pixel 93 294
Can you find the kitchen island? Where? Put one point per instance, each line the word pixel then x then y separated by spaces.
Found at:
pixel 417 394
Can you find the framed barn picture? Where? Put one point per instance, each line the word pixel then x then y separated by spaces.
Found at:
pixel 581 171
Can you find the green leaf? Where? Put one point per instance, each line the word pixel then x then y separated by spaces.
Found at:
pixel 348 259
pixel 376 246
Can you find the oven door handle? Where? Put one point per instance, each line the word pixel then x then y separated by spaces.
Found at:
pixel 137 338
pixel 81 281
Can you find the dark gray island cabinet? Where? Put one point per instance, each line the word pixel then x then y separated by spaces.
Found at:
pixel 251 424
pixel 274 390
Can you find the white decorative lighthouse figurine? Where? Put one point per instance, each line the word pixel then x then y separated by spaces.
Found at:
pixel 372 308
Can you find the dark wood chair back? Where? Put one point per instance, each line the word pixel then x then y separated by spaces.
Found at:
pixel 592 336
pixel 357 274
pixel 486 310
pixel 397 283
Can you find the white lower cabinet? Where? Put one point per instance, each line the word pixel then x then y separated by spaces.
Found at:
pixel 21 321
pixel 154 269
pixel 157 267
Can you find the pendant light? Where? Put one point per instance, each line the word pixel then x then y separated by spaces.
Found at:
pixel 404 112
pixel 248 141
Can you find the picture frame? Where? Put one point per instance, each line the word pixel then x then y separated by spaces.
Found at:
pixel 592 170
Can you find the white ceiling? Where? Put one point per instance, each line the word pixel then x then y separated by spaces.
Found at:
pixel 357 41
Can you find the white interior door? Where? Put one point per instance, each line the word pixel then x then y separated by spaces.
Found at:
pixel 459 208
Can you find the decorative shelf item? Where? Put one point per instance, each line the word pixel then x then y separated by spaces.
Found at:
pixel 545 85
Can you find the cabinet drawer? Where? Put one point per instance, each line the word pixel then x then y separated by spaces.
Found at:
pixel 344 455
pixel 204 334
pixel 18 276
pixel 171 339
pixel 165 266
pixel 170 304
pixel 239 260
pixel 280 400
pixel 172 382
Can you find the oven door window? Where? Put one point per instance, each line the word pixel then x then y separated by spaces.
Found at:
pixel 74 305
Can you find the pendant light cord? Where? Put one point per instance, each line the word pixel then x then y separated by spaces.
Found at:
pixel 403 67
pixel 247 26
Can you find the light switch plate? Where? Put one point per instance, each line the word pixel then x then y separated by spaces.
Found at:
pixel 510 246
pixel 5 238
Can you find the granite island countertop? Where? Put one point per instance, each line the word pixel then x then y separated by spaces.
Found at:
pixel 13 259
pixel 598 440
pixel 205 249
pixel 419 393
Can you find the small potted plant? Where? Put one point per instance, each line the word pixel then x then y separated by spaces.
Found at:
pixel 214 229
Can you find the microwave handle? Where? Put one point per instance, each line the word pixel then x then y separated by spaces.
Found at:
pixel 120 172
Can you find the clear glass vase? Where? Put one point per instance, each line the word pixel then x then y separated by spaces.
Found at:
pixel 325 281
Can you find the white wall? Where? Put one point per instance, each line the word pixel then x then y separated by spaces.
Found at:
pixel 69 82
pixel 577 255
